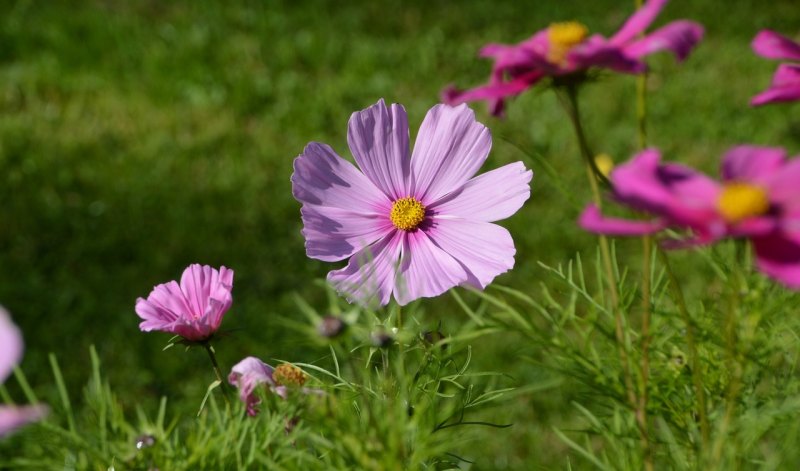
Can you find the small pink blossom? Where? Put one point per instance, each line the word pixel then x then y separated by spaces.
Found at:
pixel 13 417
pixel 785 84
pixel 758 198
pixel 193 309
pixel 250 373
pixel 413 224
pixel 567 48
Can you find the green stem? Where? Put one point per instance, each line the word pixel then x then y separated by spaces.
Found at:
pixel 213 357
pixel 694 361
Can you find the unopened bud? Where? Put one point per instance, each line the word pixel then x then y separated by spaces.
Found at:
pixel 331 327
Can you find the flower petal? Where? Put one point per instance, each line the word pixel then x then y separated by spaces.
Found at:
pixel 10 345
pixel 370 273
pixel 451 146
pixel 680 37
pixel 486 250
pixel 638 22
pixel 597 52
pixel 425 269
pixel 779 257
pixel 333 234
pixel 772 45
pixel 378 138
pixel 495 195
pixel 247 375
pixel 592 220
pixel 493 92
pixel 323 178
pixel 752 163
pixel 12 417
pixel 784 190
pixel 777 95
pixel 202 284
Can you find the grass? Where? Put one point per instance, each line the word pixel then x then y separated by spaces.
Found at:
pixel 139 137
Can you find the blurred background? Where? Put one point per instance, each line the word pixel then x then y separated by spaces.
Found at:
pixel 139 137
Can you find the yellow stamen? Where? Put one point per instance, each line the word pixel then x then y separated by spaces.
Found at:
pixel 407 213
pixel 604 163
pixel 287 374
pixel 742 200
pixel 562 38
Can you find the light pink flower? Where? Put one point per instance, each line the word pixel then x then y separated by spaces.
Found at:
pixel 758 198
pixel 566 48
pixel 193 309
pixel 786 81
pixel 412 225
pixel 250 373
pixel 13 417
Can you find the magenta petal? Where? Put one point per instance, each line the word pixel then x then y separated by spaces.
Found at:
pixel 333 234
pixel 369 275
pixel 323 178
pixel 425 269
pixel 485 250
pixel 10 345
pixel 378 138
pixel 208 292
pixel 450 148
pixel 777 95
pixel 12 417
pixel 784 189
pixel 492 196
pixel 638 22
pixel 593 221
pixel 772 45
pixel 752 163
pixel 680 37
pixel 597 52
pixel 779 257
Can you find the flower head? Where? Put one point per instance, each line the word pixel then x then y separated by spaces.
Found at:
pixel 13 417
pixel 192 309
pixel 567 48
pixel 250 373
pixel 757 198
pixel 786 81
pixel 412 225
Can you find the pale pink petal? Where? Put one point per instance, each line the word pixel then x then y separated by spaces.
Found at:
pixel 772 45
pixel 12 417
pixel 680 37
pixel 10 345
pixel 333 234
pixel 592 220
pixel 247 375
pixel 425 269
pixel 323 178
pixel 378 138
pixel 450 148
pixel 752 163
pixel 370 273
pixel 638 22
pixel 779 257
pixel 485 250
pixel 207 291
pixel 492 196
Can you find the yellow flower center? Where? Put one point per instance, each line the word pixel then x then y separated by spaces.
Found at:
pixel 289 375
pixel 563 37
pixel 604 163
pixel 742 200
pixel 407 213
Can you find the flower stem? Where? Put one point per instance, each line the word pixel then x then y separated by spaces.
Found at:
pixel 213 357
pixel 694 362
pixel 570 105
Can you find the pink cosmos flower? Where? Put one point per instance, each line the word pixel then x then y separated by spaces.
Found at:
pixel 758 198
pixel 412 226
pixel 193 309
pixel 567 48
pixel 786 81
pixel 13 417
pixel 250 373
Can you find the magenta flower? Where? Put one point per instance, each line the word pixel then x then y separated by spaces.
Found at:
pixel 758 198
pixel 567 48
pixel 13 417
pixel 193 309
pixel 412 226
pixel 250 373
pixel 786 81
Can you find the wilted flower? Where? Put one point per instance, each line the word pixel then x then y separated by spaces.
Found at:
pixel 758 198
pixel 412 226
pixel 13 417
pixel 250 373
pixel 786 81
pixel 567 48
pixel 193 309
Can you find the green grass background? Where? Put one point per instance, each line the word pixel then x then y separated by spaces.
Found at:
pixel 139 137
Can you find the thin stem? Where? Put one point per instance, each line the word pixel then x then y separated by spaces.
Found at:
pixel 570 105
pixel 694 364
pixel 213 357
